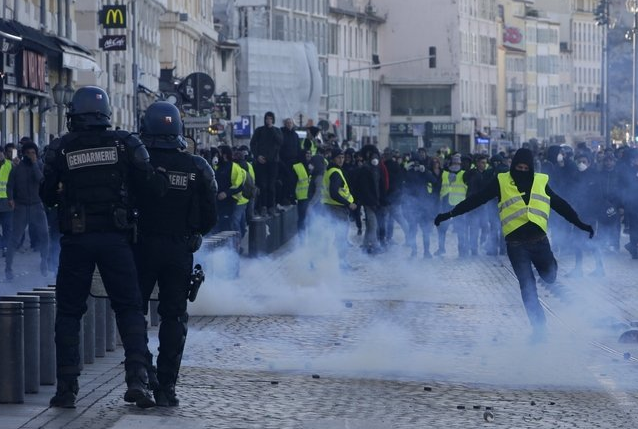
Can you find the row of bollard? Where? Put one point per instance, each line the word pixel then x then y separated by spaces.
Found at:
pixel 27 328
pixel 269 233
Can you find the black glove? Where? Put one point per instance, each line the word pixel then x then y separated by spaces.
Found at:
pixel 587 228
pixel 442 217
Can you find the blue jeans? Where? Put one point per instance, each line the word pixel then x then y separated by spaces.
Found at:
pixel 35 218
pixel 522 256
pixel 238 219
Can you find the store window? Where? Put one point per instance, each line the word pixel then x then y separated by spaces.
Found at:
pixel 422 101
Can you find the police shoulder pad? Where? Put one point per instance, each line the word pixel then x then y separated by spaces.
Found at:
pixel 203 167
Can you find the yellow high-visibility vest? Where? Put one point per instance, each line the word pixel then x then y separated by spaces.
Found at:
pixel 4 177
pixel 313 146
pixel 456 190
pixel 512 209
pixel 343 191
pixel 237 179
pixel 303 181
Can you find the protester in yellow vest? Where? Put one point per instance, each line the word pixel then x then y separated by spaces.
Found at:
pixel 337 200
pixel 248 176
pixel 311 141
pixel 5 210
pixel 525 199
pixel 453 191
pixel 303 174
pixel 230 179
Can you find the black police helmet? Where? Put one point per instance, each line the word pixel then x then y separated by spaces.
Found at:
pixel 162 126
pixel 89 107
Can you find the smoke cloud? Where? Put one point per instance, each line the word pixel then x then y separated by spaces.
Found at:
pixel 396 316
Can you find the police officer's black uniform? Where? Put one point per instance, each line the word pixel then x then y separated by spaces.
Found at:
pixel 170 231
pixel 89 175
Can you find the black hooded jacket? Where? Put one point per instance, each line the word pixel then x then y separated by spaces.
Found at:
pixel 267 141
pixel 289 152
pixel 529 231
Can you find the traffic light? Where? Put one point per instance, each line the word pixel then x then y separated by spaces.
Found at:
pixel 432 55
pixel 601 13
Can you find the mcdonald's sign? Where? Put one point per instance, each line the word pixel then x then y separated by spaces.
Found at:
pixel 113 16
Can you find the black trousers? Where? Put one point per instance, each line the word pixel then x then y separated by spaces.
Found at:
pixel 523 256
pixel 265 179
pixel 112 253
pixel 167 262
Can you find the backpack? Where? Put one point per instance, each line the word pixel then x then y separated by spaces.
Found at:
pixel 249 190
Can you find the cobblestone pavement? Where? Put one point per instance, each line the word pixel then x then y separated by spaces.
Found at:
pixel 393 343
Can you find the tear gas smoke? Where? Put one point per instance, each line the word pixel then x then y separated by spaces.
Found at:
pixel 409 318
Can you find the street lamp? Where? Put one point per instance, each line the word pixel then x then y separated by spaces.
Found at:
pixel 68 94
pixel 58 93
pixel 632 7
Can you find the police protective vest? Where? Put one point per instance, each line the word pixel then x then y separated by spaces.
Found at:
pixel 176 213
pixel 237 179
pixel 4 177
pixel 344 191
pixel 456 190
pixel 512 209
pixel 303 181
pixel 94 172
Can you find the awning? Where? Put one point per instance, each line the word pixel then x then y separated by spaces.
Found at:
pixel 76 56
pixel 73 58
pixel 33 39
pixel 9 41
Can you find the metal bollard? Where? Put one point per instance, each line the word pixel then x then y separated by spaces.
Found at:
pixel 100 327
pixel 12 352
pixel 89 331
pixel 153 312
pixel 111 327
pixel 31 340
pixel 47 335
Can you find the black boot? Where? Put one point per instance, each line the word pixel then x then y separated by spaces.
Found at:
pixel 165 396
pixel 137 388
pixel 65 394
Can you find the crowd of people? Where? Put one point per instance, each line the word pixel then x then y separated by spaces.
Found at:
pixel 96 187
pixel 408 189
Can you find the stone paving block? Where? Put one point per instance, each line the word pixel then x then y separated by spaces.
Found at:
pixel 128 422
pixel 346 424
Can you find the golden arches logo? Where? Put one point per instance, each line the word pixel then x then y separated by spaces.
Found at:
pixel 114 16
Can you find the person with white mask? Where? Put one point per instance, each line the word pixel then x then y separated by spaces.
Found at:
pixel 587 197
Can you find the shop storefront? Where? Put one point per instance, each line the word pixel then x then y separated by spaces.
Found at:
pixel 36 76
pixel 408 137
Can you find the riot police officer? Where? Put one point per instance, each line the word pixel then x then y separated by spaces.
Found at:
pixel 171 229
pixel 90 174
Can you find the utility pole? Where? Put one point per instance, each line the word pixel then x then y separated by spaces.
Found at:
pixel 514 113
pixel 135 67
pixel 602 18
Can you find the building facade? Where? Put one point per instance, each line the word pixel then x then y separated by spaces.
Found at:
pixel 131 76
pixel 39 61
pixel 452 82
pixel 352 101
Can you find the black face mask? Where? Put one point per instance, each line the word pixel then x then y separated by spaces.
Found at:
pixel 523 179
